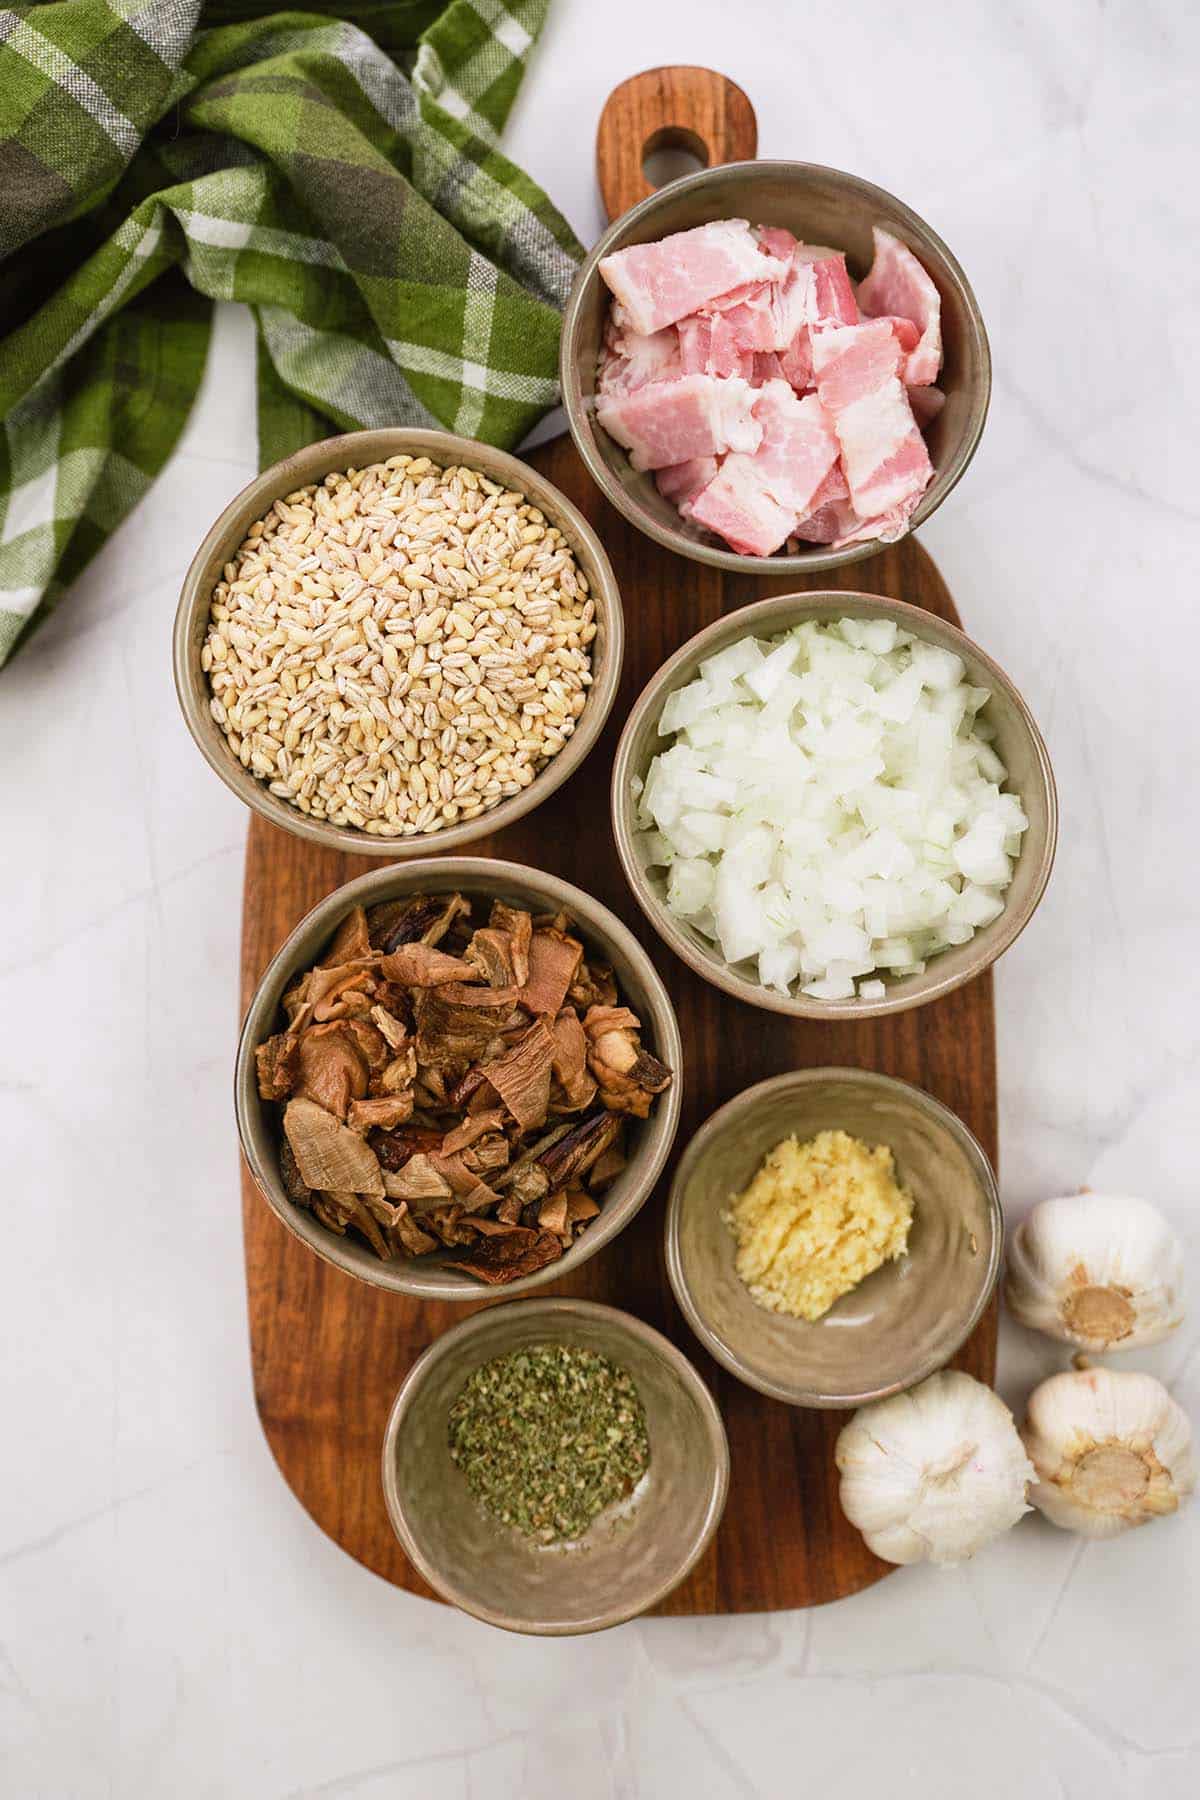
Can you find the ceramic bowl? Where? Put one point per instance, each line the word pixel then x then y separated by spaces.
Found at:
pixel 821 206
pixel 649 1141
pixel 1018 742
pixel 309 466
pixel 902 1322
pixel 631 1556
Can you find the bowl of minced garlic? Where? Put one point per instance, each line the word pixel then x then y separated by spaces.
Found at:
pixel 816 1219
pixel 833 1236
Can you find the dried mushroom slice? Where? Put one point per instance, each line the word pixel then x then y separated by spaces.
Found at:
pixel 339 993
pixel 420 966
pixel 372 1046
pixel 395 1147
pixel 294 1184
pixel 409 1237
pixel 552 1213
pixel 331 1070
pixel 490 954
pixel 448 1224
pixel 384 1113
pixel 397 1076
pixel 277 1066
pixel 594 985
pixel 517 926
pixel 522 1077
pixel 572 1156
pixel 454 1169
pixel 351 942
pixel 419 918
pixel 520 1252
pixel 480 1199
pixel 393 1031
pixel 553 961
pixel 488 1152
pixel 629 1077
pixel 419 1182
pixel 477 1125
pixel 450 1033
pixel 364 1222
pixel 328 1154
pixel 578 1088
pixel 606 1168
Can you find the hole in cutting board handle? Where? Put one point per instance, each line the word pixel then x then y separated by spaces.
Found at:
pixel 672 152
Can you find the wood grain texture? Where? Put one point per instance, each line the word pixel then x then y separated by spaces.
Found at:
pixel 677 107
pixel 329 1353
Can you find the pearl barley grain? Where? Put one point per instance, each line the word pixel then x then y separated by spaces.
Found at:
pixel 384 644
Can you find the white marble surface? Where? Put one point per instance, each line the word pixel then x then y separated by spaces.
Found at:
pixel 170 1621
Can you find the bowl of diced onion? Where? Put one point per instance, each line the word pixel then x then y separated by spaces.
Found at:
pixel 834 805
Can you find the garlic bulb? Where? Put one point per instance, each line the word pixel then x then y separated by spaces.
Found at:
pixel 1101 1270
pixel 933 1474
pixel 1110 1449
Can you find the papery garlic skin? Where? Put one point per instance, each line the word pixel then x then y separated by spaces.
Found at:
pixel 933 1474
pixel 1104 1271
pixel 1110 1448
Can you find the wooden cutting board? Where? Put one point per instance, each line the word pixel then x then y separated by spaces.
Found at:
pixel 328 1352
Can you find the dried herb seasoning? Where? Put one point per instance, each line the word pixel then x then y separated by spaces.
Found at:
pixel 547 1437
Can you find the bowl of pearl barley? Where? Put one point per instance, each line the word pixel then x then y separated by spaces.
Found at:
pixel 397 640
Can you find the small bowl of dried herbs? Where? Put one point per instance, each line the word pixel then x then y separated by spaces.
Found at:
pixel 554 1467
pixel 456 1075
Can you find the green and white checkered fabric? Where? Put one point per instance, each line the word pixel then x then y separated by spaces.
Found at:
pixel 340 176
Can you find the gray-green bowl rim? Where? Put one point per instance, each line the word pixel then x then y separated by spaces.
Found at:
pixel 993 939
pixel 354 449
pixel 407 1278
pixel 552 1308
pixel 718 1122
pixel 812 562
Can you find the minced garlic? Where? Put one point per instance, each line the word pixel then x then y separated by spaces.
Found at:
pixel 816 1220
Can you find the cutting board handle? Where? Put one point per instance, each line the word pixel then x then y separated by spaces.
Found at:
pixel 677 107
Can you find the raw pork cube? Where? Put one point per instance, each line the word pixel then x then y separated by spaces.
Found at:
pixel 884 458
pixel 852 360
pixel 888 527
pixel 767 367
pixel 660 283
pixel 681 482
pixel 776 241
pixel 708 346
pixel 629 360
pixel 752 321
pixel 796 361
pixel 816 295
pixel 830 514
pixel 831 524
pixel 738 508
pixel 799 446
pixel 672 421
pixel 746 290
pixel 754 501
pixel 899 284
pixel 883 452
pixel 904 331
pixel 833 297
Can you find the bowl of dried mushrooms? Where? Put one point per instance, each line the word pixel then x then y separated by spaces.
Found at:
pixel 458 1075
pixel 397 639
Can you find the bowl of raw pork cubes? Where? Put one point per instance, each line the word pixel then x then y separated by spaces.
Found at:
pixel 774 367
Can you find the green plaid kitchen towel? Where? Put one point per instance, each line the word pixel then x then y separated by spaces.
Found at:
pixel 338 174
